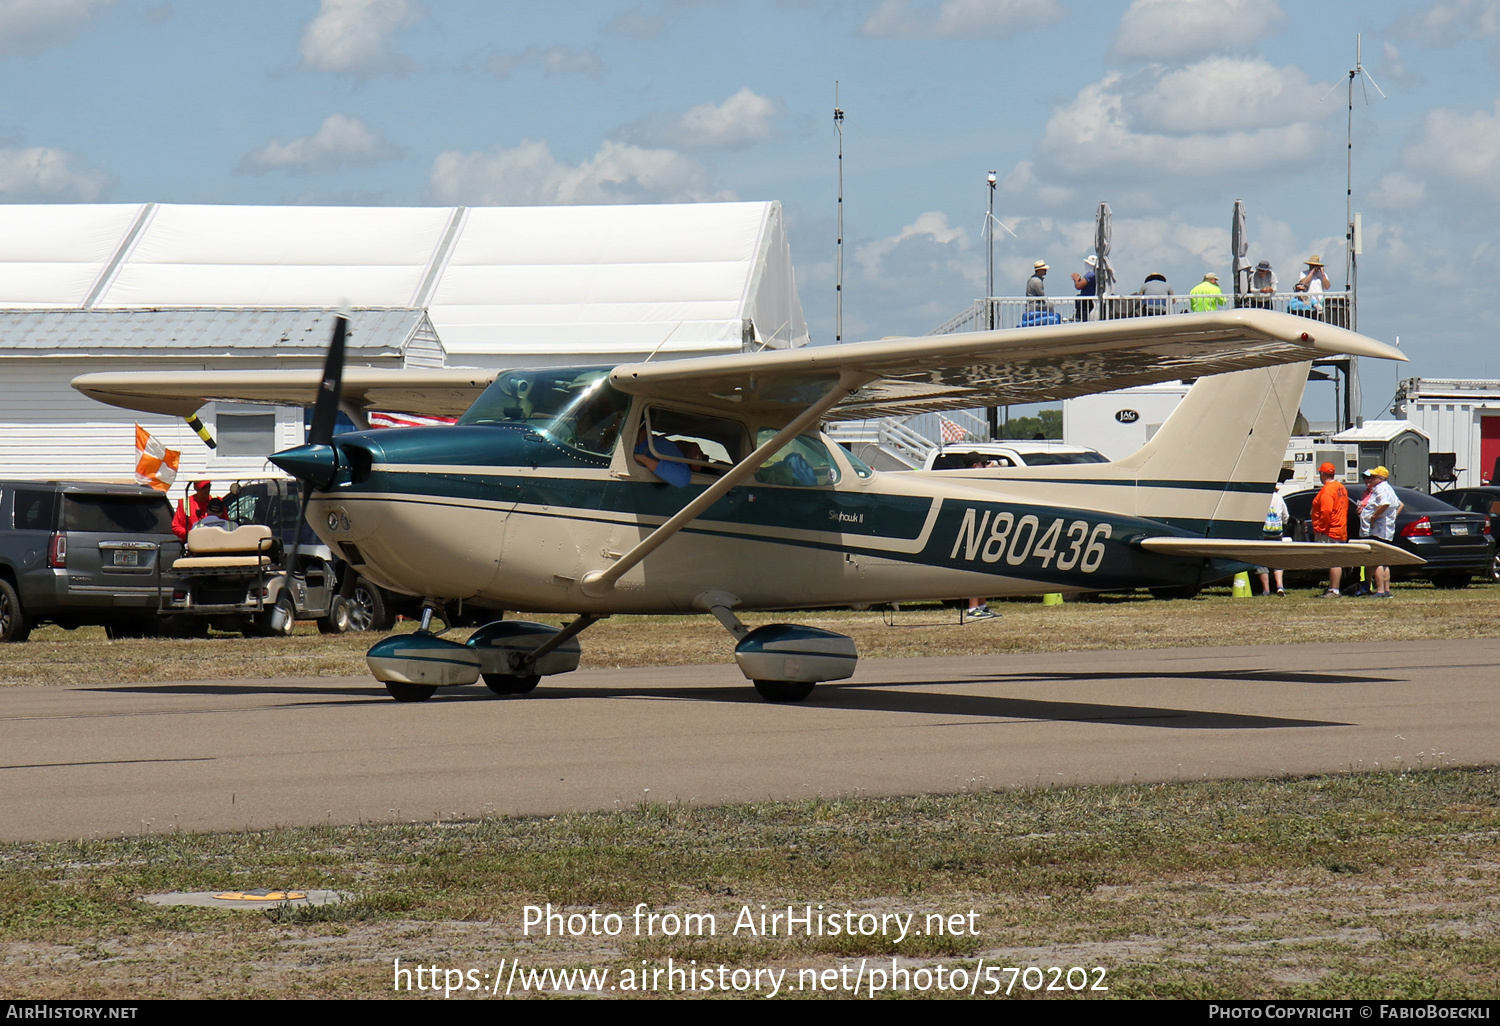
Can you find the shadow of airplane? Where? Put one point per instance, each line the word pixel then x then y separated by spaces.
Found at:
pixel 873 697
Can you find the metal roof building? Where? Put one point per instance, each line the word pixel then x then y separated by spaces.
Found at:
pixel 180 287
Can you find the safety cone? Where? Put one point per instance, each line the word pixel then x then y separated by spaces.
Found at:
pixel 1052 598
pixel 1242 585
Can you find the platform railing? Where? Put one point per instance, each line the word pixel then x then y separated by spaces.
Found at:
pixel 1031 311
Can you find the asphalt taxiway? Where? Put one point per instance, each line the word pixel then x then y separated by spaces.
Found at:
pixel 92 761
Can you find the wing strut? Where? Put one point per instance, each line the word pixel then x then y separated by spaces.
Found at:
pixel 598 583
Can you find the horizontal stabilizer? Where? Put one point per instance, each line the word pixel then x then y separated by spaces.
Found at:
pixel 1283 555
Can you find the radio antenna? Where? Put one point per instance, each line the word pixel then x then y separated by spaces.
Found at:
pixel 838 282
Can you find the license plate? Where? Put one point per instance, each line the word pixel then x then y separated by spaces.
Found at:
pixel 127 557
pixel 1460 529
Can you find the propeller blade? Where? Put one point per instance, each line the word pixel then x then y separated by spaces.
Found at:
pixel 330 391
pixel 315 463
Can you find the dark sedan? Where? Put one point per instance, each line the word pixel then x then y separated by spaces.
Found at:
pixel 1484 500
pixel 1456 544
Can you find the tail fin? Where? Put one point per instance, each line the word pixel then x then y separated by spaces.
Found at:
pixel 1208 471
pixel 1214 460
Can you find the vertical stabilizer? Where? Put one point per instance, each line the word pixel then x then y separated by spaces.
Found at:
pixel 1217 457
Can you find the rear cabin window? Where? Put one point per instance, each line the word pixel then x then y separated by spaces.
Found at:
pixel 104 513
pixel 34 510
pixel 804 462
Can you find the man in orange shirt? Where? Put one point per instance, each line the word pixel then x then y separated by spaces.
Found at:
pixel 1330 520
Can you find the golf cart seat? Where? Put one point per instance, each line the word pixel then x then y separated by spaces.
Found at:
pixel 250 547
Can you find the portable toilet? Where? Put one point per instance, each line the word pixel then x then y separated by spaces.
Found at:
pixel 1398 445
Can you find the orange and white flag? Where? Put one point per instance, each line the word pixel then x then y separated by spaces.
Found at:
pixel 155 464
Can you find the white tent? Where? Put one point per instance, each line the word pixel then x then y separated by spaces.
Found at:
pixel 161 286
pixel 601 283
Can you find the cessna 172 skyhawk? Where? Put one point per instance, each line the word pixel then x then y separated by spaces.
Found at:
pixel 704 486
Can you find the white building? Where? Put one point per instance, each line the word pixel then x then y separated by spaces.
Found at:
pixel 166 287
pixel 1461 417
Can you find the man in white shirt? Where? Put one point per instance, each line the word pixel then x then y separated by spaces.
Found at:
pixel 1377 519
pixel 1316 279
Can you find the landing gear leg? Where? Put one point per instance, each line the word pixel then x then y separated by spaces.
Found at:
pixel 514 655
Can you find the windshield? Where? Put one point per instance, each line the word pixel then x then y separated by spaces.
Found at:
pixel 570 405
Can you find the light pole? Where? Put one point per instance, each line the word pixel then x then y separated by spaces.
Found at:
pixel 991 416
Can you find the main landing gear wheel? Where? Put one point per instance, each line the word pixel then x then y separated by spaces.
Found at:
pixel 783 690
pixel 506 684
pixel 410 692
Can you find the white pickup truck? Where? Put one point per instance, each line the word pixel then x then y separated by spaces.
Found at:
pixel 1011 453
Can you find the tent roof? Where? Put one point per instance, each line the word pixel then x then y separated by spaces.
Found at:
pixel 494 280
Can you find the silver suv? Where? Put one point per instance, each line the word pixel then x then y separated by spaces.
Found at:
pixel 75 553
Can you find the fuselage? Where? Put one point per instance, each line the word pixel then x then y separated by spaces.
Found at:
pixel 515 504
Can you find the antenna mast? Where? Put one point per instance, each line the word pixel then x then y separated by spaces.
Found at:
pixel 838 284
pixel 1351 224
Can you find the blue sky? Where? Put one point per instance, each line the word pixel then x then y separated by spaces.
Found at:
pixel 1167 109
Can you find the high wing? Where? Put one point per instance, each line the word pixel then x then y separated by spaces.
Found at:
pixel 429 391
pixel 1018 365
pixel 895 376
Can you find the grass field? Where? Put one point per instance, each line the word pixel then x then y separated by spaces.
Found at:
pixel 1383 885
pixel 1374 886
pixel 55 656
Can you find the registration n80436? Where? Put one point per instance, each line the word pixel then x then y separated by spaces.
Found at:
pixel 1074 545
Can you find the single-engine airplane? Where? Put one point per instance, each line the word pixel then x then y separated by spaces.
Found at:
pixel 704 485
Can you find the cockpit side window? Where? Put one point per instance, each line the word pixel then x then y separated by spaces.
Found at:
pixel 709 445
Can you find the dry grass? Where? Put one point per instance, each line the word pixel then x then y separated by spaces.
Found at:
pixel 1370 886
pixel 1418 612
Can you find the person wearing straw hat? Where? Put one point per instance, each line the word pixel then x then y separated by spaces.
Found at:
pixel 1035 286
pixel 1316 279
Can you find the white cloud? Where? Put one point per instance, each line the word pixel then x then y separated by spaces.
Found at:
pixel 959 19
pixel 42 174
pixel 1397 191
pixel 1173 124
pixel 27 27
pixel 1460 149
pixel 529 174
pixel 928 244
pixel 1161 30
pixel 1394 66
pixel 354 36
pixel 340 141
pixel 1447 22
pixel 551 60
pixel 742 119
pixel 1244 91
